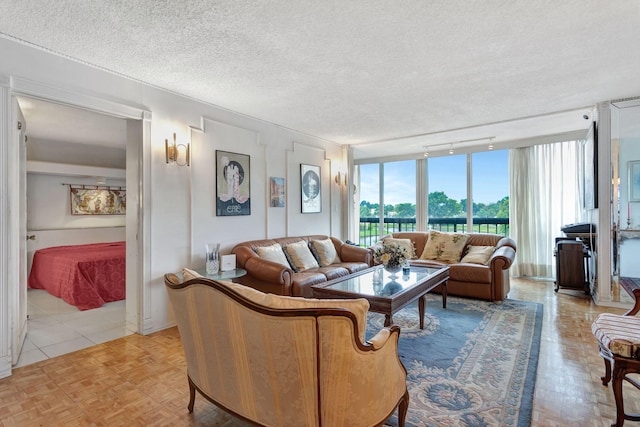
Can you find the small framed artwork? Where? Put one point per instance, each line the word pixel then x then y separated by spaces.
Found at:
pixel 310 188
pixel 233 190
pixel 634 181
pixel 276 192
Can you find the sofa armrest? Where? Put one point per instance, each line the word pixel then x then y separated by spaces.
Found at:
pixel 351 253
pixel 506 241
pixel 502 258
pixel 269 271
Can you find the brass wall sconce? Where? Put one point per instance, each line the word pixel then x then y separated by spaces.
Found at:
pixel 341 178
pixel 173 150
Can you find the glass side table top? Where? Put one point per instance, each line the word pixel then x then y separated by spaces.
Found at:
pixel 222 275
pixel 364 284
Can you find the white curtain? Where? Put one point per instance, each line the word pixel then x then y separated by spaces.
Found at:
pixel 546 192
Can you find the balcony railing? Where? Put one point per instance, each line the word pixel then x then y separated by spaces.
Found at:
pixel 370 227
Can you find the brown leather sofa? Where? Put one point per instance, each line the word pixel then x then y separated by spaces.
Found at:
pixel 488 282
pixel 274 278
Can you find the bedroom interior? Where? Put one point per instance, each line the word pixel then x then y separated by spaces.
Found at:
pixel 286 83
pixel 67 147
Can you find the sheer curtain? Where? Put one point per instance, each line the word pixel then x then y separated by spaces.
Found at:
pixel 546 192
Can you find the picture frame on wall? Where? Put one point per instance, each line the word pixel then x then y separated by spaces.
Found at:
pixel 310 188
pixel 276 192
pixel 233 184
pixel 634 180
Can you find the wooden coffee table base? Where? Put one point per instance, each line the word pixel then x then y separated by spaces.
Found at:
pixel 358 285
pixel 388 318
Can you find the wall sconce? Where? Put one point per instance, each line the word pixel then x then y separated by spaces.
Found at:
pixel 341 178
pixel 172 151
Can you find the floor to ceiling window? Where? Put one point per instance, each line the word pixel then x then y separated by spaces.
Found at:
pixel 490 191
pixel 447 186
pixel 394 186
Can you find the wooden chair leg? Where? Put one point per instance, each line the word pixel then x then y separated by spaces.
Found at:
pixel 616 386
pixel 402 409
pixel 607 371
pixel 192 395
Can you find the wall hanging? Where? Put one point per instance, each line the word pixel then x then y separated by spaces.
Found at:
pixel 97 200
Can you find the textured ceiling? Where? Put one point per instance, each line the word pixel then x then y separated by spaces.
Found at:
pixel 387 77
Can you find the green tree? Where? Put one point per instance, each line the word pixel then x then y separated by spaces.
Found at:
pixel 405 210
pixel 441 206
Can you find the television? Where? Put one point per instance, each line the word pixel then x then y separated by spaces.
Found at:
pixel 590 176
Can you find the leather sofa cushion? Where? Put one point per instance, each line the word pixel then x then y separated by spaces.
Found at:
pixel 301 282
pixel 470 273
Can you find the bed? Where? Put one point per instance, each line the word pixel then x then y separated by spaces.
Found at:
pixel 86 276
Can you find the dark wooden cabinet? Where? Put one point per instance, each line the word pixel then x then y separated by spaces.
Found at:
pixel 572 265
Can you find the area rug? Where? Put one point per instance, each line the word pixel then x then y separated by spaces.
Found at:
pixel 473 365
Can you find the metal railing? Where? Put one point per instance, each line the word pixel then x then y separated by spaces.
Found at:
pixel 370 227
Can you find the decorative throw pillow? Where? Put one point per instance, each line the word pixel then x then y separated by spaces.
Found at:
pixel 325 252
pixel 300 256
pixel 444 247
pixel 478 254
pixel 273 253
pixel 402 243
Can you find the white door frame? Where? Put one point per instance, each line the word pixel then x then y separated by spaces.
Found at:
pixel 9 230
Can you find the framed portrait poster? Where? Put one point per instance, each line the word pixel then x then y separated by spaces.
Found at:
pixel 634 181
pixel 276 192
pixel 233 190
pixel 310 188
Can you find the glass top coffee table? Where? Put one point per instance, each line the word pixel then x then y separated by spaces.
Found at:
pixel 392 293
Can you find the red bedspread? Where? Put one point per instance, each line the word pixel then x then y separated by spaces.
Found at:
pixel 86 276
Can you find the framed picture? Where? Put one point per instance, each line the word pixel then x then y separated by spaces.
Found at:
pixel 634 181
pixel 276 192
pixel 97 200
pixel 233 190
pixel 310 188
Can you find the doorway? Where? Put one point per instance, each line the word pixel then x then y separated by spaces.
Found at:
pixel 68 146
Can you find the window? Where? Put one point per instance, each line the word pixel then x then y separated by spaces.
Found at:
pixel 447 184
pixel 490 191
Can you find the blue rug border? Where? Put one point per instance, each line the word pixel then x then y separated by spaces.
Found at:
pixel 526 411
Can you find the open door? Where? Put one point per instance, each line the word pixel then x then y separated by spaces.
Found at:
pixel 19 303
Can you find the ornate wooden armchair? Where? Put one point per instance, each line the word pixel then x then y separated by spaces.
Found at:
pixel 619 342
pixel 286 361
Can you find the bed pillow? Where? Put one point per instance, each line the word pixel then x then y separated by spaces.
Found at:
pixel 402 243
pixel 300 257
pixel 273 253
pixel 478 254
pixel 325 252
pixel 444 247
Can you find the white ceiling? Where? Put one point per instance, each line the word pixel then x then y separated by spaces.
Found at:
pixel 389 78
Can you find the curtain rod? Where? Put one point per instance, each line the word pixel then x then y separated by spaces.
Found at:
pixel 95 187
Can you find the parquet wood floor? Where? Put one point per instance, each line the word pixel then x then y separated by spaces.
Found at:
pixel 141 380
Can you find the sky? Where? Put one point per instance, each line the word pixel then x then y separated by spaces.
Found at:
pixel 448 174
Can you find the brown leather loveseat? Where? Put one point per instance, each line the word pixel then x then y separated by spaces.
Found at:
pixel 293 275
pixel 487 280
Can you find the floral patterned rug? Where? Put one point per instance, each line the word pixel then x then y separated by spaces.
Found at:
pixel 474 363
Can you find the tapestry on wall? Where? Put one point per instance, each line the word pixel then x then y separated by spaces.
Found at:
pixel 233 190
pixel 91 200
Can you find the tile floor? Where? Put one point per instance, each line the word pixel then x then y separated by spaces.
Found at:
pixel 55 327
